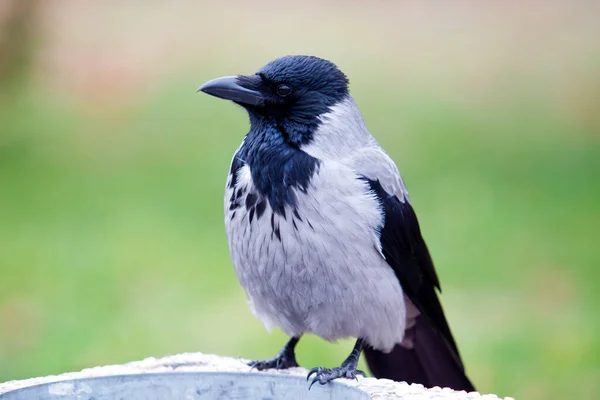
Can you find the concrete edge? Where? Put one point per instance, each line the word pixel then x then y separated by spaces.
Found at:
pixel 199 362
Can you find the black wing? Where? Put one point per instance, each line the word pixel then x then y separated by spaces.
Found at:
pixel 428 355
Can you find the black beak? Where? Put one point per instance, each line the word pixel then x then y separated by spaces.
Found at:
pixel 229 88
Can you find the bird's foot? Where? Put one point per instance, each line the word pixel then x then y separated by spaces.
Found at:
pixel 324 375
pixel 283 360
pixel 280 361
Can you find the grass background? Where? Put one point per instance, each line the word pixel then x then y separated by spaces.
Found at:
pixel 112 170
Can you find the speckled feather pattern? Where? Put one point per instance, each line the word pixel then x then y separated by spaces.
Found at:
pixel 318 268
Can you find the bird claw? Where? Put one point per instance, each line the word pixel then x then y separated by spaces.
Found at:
pixel 325 375
pixel 315 370
pixel 278 362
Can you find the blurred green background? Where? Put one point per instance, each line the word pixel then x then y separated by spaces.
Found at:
pixel 112 170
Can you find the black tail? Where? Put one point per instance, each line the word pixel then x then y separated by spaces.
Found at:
pixel 424 357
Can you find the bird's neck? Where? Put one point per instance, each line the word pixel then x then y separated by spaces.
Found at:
pixel 340 133
pixel 278 167
pixel 293 130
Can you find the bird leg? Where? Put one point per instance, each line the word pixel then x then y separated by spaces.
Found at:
pixel 346 370
pixel 283 360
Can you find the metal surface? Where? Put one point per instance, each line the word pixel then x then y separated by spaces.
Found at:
pixel 187 386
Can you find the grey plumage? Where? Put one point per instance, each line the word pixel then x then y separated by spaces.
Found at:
pixel 328 278
pixel 321 231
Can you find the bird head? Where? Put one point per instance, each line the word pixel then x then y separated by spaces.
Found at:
pixel 289 93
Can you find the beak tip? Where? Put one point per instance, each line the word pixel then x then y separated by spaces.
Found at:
pixel 228 88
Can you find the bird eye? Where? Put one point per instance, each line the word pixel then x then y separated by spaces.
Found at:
pixel 284 90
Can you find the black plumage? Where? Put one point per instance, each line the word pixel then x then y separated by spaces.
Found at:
pixel 428 354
